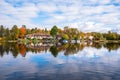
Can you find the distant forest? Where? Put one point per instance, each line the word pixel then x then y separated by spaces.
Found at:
pixel 16 33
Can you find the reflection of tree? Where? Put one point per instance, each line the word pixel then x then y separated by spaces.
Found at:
pixel 22 50
pixel 112 46
pixel 54 51
pixel 97 45
pixel 9 47
pixel 1 51
pixel 15 49
pixel 72 49
pixel 81 47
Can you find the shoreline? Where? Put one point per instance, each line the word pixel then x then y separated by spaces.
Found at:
pixel 30 41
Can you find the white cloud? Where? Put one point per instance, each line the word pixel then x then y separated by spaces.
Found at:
pixel 62 13
pixel 17 15
pixel 104 1
pixel 46 7
pixel 117 1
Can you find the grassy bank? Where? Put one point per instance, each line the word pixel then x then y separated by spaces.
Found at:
pixel 53 41
pixel 107 41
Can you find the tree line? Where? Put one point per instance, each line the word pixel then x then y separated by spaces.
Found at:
pixel 67 33
pixel 12 34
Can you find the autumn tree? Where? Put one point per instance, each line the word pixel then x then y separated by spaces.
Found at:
pixel 22 32
pixel 73 33
pixel 81 35
pixel 65 36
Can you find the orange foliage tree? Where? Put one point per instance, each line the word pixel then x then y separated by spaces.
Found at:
pixel 22 32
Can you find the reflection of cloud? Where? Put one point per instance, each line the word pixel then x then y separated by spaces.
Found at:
pixel 101 55
pixel 69 68
pixel 88 62
pixel 25 68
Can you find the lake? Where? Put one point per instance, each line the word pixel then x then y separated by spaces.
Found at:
pixel 45 61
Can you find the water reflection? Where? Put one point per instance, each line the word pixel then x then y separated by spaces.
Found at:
pixel 43 61
pixel 68 49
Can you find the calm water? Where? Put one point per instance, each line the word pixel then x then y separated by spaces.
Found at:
pixel 85 61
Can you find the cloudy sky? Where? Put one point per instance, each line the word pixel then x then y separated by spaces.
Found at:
pixel 86 15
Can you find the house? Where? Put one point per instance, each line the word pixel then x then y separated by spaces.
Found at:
pixel 91 37
pixel 58 37
pixel 39 36
pixel 86 37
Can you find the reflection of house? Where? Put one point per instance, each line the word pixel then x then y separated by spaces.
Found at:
pixel 41 46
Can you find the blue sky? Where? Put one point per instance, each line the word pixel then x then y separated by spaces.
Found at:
pixel 86 15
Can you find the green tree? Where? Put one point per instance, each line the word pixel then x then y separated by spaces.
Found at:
pixel 7 34
pixel 2 31
pixel 111 36
pixel 97 36
pixel 15 32
pixel 28 31
pixel 54 31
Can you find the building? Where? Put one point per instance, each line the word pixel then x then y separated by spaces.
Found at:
pixel 41 36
